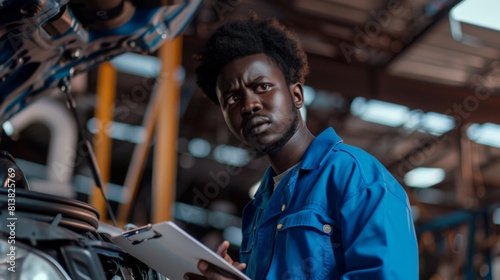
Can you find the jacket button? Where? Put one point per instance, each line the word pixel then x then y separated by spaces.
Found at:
pixel 283 207
pixel 327 228
pixel 279 226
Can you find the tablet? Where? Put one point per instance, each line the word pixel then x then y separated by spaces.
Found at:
pixel 170 250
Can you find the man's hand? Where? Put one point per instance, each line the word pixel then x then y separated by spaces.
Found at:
pixel 212 272
pixel 222 251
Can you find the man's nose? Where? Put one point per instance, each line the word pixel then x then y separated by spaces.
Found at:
pixel 251 105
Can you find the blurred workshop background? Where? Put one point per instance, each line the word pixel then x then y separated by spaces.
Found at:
pixel 416 83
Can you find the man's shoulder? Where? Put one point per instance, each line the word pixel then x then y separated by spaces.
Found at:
pixel 348 159
pixel 329 140
pixel 348 153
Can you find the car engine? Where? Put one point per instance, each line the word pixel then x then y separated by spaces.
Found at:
pixel 43 43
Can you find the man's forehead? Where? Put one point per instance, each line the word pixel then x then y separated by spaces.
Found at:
pixel 248 67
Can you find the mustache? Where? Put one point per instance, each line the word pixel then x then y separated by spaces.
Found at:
pixel 254 121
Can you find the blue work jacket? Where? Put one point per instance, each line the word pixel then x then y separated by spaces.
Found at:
pixel 339 214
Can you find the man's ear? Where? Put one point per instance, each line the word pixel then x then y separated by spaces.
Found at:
pixel 297 92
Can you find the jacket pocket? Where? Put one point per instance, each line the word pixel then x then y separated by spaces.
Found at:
pixel 247 244
pixel 309 241
pixel 308 218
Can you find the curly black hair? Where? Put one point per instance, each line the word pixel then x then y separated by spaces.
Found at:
pixel 243 37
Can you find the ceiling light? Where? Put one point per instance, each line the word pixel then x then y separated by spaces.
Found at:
pixel 118 130
pixel 8 128
pixel 199 147
pixel 415 212
pixel 231 155
pixel 233 235
pixel 482 13
pixel 414 119
pixel 424 177
pixel 395 115
pixel 253 189
pixel 137 64
pixel 486 134
pixel 380 112
pixel 496 216
pixel 436 124
pixel 309 94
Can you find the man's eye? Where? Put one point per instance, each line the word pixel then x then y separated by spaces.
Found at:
pixel 263 87
pixel 232 99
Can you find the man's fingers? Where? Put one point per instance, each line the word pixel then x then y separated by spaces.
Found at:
pixel 239 266
pixel 222 249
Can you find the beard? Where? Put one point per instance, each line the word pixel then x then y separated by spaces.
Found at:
pixel 275 147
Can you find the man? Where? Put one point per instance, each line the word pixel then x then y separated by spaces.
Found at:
pixel 324 209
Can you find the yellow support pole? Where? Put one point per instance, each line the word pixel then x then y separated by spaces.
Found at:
pixel 104 112
pixel 165 157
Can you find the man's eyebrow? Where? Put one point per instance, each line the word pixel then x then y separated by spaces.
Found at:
pixel 224 89
pixel 252 80
pixel 228 91
pixel 259 77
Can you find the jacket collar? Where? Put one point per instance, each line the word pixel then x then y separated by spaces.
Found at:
pixel 323 143
pixel 313 158
pixel 264 192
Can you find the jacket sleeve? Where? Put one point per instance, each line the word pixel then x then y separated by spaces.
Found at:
pixel 378 235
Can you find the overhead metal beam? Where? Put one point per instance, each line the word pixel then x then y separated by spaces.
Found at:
pixel 307 23
pixel 409 41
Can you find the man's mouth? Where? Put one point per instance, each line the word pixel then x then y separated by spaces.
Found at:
pixel 256 125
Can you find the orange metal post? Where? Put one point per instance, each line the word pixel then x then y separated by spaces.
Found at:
pixel 106 92
pixel 165 157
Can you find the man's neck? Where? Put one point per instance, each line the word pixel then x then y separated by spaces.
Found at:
pixel 291 153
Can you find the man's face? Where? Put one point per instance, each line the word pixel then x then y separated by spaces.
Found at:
pixel 260 109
